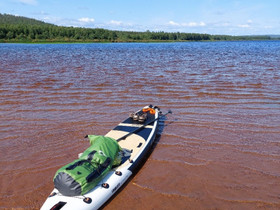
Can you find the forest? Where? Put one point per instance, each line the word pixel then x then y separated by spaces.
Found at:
pixel 22 29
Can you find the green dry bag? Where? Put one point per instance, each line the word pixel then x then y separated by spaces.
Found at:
pixel 83 174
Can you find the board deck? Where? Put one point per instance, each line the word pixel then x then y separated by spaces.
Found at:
pixel 135 148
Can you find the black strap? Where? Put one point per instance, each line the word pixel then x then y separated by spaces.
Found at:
pixel 93 175
pixel 90 155
pixel 78 163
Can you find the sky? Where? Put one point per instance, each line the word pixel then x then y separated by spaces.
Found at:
pixel 245 17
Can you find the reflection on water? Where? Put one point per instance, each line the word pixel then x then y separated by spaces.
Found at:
pixel 219 149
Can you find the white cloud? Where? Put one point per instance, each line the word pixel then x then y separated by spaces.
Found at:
pixel 190 24
pixel 173 23
pixel 243 26
pixel 86 20
pixel 119 25
pixel 29 2
pixel 202 24
pixel 246 25
pixel 222 24
pixel 115 22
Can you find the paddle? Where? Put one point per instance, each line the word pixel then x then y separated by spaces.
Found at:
pixel 138 129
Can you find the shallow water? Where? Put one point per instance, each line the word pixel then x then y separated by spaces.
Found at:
pixel 219 149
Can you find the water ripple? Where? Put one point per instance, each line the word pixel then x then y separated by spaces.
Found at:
pixel 225 123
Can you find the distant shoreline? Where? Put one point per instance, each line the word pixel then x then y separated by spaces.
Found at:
pixel 15 29
pixel 108 42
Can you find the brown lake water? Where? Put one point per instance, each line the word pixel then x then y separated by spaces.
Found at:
pixel 220 149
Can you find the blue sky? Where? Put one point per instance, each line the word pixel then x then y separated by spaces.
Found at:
pixel 245 17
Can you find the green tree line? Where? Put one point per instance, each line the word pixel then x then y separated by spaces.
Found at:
pixel 21 29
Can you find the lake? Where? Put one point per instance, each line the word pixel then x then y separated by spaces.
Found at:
pixel 220 149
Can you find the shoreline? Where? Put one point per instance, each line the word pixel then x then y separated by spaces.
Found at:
pixel 129 41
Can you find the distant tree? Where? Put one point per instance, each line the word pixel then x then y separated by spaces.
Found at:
pixel 13 28
pixel 10 35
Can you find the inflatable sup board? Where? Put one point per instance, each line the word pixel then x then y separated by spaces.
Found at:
pixel 135 136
